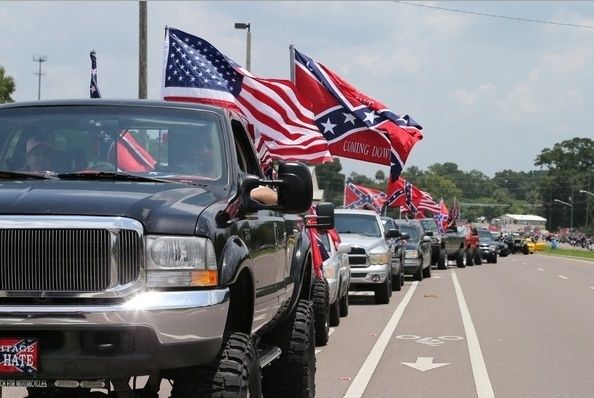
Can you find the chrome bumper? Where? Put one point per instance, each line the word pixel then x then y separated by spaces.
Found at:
pixel 174 317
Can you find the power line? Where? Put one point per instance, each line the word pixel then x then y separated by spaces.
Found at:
pixel 483 14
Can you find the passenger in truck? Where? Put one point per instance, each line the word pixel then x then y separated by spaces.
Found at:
pixel 38 155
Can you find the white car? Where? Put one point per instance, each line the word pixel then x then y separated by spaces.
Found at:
pixel 337 272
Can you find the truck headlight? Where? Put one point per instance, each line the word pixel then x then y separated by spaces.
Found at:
pixel 380 258
pixel 411 254
pixel 329 271
pixel 180 261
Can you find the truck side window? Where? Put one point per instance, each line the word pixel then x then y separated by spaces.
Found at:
pixel 245 155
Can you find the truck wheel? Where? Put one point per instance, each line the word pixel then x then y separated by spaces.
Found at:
pixel 441 261
pixel 382 292
pixel 321 311
pixel 335 313
pixel 495 259
pixel 418 275
pixel 469 257
pixel 461 258
pixel 478 257
pixel 344 304
pixel 397 281
pixel 293 374
pixel 235 373
pixel 427 272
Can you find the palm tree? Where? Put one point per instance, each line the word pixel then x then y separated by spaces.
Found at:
pixel 7 87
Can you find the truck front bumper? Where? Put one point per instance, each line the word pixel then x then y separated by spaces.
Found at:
pixel 147 333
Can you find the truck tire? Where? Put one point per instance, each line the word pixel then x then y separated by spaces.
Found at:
pixel 461 258
pixel 427 272
pixel 335 313
pixel 397 280
pixel 293 374
pixel 418 275
pixel 321 307
pixel 383 291
pixel 441 261
pixel 235 373
pixel 469 257
pixel 478 257
pixel 344 304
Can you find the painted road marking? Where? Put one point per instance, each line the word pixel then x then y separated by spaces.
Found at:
pixel 562 277
pixel 430 341
pixel 357 387
pixel 424 363
pixel 540 269
pixel 479 369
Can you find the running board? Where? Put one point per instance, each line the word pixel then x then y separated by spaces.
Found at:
pixel 268 354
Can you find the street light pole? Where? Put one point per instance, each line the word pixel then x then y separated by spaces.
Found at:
pixel 248 46
pixel 567 204
pixel 40 59
pixel 587 206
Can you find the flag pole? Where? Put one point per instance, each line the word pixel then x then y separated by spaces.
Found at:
pixel 292 62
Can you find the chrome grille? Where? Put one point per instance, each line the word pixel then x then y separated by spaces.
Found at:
pixel 358 257
pixel 54 260
pixel 82 256
pixel 129 258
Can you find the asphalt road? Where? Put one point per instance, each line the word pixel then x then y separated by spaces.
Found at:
pixel 523 327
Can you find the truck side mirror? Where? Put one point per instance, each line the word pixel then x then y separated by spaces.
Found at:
pixel 325 215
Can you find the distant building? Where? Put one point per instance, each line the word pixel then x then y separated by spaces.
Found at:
pixel 517 222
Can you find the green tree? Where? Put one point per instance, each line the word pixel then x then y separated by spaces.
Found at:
pixel 569 167
pixel 331 181
pixel 7 86
pixel 380 177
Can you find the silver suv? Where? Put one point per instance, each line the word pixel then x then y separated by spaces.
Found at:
pixel 371 259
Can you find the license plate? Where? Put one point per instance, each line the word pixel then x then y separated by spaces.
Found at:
pixel 19 355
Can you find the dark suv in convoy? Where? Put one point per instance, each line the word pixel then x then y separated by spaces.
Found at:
pixel 438 251
pixel 138 250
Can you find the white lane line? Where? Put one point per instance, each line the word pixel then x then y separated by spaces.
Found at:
pixel 357 387
pixel 479 369
pixel 562 277
pixel 540 269
pixel 592 287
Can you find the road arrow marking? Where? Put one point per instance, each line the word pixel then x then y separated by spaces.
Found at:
pixel 424 363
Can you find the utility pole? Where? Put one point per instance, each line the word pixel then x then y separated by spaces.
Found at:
pixel 40 59
pixel 142 49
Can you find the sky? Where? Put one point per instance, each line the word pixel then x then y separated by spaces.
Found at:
pixel 490 88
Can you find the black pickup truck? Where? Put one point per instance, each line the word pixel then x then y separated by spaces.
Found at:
pixel 130 246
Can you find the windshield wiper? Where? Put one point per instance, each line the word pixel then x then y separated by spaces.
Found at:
pixel 108 175
pixel 29 175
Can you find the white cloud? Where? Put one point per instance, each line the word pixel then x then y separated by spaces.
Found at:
pixel 469 98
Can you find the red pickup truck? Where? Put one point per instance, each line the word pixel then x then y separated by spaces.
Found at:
pixel 462 245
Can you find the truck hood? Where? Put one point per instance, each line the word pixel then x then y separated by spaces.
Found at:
pixel 371 244
pixel 170 208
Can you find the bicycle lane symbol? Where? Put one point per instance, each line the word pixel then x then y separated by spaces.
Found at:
pixel 430 341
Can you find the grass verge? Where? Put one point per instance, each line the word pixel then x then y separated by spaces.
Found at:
pixel 575 253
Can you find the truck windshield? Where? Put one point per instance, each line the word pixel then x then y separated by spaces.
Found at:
pixel 357 224
pixel 413 232
pixel 172 144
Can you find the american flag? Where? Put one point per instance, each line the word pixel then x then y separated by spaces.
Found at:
pixel 455 210
pixel 441 218
pixel 360 197
pixel 195 71
pixel 410 198
pixel 94 88
pixel 356 125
